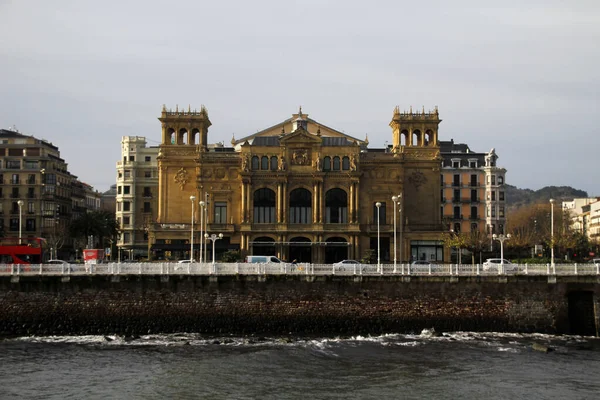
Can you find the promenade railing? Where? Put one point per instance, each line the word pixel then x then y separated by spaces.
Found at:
pixel 173 268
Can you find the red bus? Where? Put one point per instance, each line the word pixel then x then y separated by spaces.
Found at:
pixel 22 251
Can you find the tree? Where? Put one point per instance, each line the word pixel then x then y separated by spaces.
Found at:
pixel 100 224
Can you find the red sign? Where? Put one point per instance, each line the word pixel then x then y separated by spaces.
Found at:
pixel 93 256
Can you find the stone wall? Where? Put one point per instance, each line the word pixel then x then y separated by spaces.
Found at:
pixel 298 305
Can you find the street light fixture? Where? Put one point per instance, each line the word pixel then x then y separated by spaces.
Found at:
pixel 501 238
pixel 202 203
pixel 378 205
pixel 552 235
pixel 20 204
pixel 193 200
pixel 214 238
pixel 399 200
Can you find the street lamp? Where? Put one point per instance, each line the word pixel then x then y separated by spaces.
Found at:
pixel 378 205
pixel 214 238
pixel 399 200
pixel 552 234
pixel 501 238
pixel 193 200
pixel 20 203
pixel 202 203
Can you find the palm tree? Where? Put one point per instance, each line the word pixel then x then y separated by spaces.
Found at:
pixel 99 224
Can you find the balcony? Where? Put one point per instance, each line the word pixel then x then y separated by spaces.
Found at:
pixel 457 217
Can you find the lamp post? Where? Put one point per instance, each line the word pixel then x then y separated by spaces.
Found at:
pixel 201 226
pixel 20 203
pixel 214 238
pixel 552 235
pixel 378 205
pixel 193 200
pixel 394 199
pixel 501 238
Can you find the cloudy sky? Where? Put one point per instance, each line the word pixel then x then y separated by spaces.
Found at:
pixel 519 76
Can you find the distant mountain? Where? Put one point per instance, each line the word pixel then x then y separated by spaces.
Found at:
pixel 516 197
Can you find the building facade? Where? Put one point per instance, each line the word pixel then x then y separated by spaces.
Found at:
pixel 298 190
pixel 38 195
pixel 136 196
pixel 472 190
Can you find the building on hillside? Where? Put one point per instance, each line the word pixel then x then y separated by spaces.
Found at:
pixel 584 216
pixel 298 189
pixel 136 196
pixel 472 195
pixel 38 195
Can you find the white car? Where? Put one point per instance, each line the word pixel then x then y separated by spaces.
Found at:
pixel 492 264
pixel 424 266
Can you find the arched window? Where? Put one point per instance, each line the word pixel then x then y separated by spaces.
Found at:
pixel 255 165
pixel 345 163
pixel 336 163
pixel 182 137
pixel 273 163
pixel 171 136
pixel 264 206
pixel 300 206
pixel 336 207
pixel 327 164
pixel 264 163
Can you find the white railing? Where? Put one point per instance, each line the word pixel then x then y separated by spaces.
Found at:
pixel 169 268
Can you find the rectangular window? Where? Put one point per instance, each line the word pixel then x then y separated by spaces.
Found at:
pixel 118 189
pixel 31 164
pixel 30 193
pixel 501 211
pixel 14 224
pixel 147 192
pixel 501 196
pixel 126 237
pixel 264 215
pixel 14 179
pixel 126 221
pixel 31 207
pixel 493 195
pixel 146 206
pixel 473 164
pixel 220 210
pixel 147 159
pixel 147 174
pixel 456 195
pixel 474 195
pixel 126 206
pixel 493 179
pixel 131 158
pixel 457 212
pixel 31 179
pixel 13 164
pixel 126 189
pixel 493 212
pixel 50 179
pixel 15 193
pixel 455 164
pixel 119 206
pixel 127 174
pixel 473 180
pixel 30 224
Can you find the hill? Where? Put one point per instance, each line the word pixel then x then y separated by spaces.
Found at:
pixel 516 197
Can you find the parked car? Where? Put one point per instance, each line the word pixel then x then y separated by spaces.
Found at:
pixel 492 264
pixel 262 259
pixel 186 261
pixel 347 264
pixel 60 262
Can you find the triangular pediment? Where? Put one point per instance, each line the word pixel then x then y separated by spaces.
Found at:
pixel 285 131
pixel 300 136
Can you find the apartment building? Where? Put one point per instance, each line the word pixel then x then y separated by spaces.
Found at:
pixel 135 197
pixel 472 190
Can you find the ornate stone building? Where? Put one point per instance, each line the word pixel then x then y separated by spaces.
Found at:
pixel 299 190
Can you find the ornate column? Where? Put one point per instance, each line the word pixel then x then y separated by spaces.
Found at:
pixel 356 200
pixel 278 203
pixel 351 211
pixel 243 208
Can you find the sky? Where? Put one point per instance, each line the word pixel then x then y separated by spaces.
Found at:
pixel 519 76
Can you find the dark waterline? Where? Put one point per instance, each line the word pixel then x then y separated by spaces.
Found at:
pixel 452 366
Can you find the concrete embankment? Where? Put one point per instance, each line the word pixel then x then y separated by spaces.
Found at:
pixel 302 305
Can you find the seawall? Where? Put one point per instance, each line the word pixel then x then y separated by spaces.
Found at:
pixel 297 305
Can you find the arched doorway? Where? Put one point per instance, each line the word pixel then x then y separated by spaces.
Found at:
pixel 300 249
pixel 263 246
pixel 336 250
pixel 300 206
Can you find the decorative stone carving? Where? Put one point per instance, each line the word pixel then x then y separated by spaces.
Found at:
pixel 417 179
pixel 246 163
pixel 282 164
pixel 300 157
pixel 181 178
pixel 353 163
pixel 317 163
